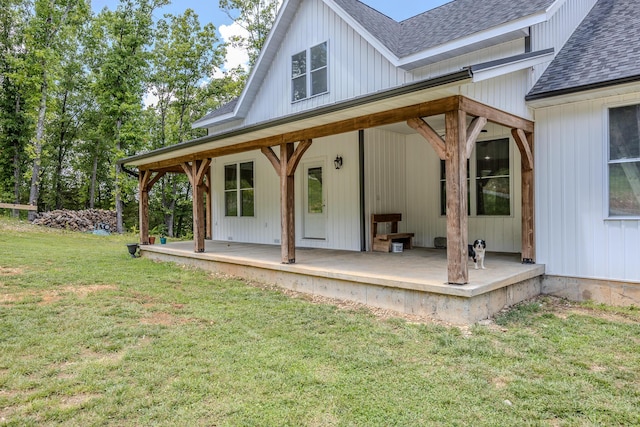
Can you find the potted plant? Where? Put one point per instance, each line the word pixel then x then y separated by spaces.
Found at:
pixel 162 231
pixel 163 234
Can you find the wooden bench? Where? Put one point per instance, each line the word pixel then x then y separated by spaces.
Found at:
pixel 382 242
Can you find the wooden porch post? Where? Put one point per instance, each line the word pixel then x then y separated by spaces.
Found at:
pixel 285 168
pixel 146 182
pixel 524 140
pixel 456 183
pixel 144 206
pixel 195 172
pixel 287 207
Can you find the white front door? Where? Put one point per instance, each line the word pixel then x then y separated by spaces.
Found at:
pixel 315 201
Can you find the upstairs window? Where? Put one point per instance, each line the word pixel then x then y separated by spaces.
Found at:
pixel 238 189
pixel 309 73
pixel 624 161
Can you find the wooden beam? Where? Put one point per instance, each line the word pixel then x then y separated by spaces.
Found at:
pixel 428 133
pixel 18 207
pixel 273 158
pixel 287 207
pixel 425 109
pixel 203 168
pixel 477 109
pixel 155 179
pixel 198 205
pixel 473 131
pixel 524 145
pixel 456 185
pixel 293 162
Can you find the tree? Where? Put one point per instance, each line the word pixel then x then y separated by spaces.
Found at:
pixel 15 91
pixel 121 40
pixel 256 17
pixel 46 33
pixel 184 56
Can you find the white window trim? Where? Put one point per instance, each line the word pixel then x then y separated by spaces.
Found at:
pixel 606 153
pixel 308 73
pixel 238 189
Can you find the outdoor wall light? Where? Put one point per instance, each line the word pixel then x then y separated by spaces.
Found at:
pixel 338 162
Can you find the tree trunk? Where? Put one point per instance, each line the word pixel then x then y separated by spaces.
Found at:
pixel 35 177
pixel 119 227
pixel 92 188
pixel 172 208
pixel 17 169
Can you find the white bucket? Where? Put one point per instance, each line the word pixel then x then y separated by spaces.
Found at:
pixel 396 247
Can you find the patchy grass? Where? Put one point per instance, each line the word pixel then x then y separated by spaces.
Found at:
pixel 90 336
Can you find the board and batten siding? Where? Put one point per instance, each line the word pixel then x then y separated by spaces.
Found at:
pixel 355 67
pixel 574 236
pixel 402 175
pixel 505 92
pixel 343 210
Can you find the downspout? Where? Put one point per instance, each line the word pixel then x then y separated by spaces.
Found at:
pixel 363 219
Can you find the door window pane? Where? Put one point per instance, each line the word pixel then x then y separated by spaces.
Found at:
pixel 314 190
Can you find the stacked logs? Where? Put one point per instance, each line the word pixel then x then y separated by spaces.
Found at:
pixel 84 220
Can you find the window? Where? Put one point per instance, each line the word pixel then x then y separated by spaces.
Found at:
pixel 490 186
pixel 238 189
pixel 493 195
pixel 309 72
pixel 624 161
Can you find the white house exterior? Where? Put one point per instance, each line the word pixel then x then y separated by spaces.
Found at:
pixel 329 61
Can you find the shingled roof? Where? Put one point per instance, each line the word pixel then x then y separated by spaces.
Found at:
pixel 603 51
pixel 451 21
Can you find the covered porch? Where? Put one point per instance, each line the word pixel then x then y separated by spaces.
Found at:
pixel 412 282
pixel 463 120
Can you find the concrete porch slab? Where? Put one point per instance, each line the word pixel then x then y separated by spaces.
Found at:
pixel 412 282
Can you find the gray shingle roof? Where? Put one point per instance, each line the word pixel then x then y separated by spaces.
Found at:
pixel 222 110
pixel 451 21
pixel 604 50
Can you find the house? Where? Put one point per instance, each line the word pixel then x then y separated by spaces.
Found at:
pixel 516 121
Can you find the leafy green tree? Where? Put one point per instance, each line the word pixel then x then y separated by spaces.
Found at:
pixel 46 34
pixel 121 41
pixel 16 126
pixel 185 55
pixel 254 16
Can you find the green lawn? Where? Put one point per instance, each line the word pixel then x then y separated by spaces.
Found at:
pixel 90 336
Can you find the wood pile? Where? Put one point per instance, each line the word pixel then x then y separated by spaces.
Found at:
pixel 85 220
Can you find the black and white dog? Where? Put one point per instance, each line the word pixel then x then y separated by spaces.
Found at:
pixel 476 251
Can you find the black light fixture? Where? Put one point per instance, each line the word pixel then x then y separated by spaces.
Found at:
pixel 338 162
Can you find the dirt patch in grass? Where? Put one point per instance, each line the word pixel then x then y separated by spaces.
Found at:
pixel 159 318
pixel 50 296
pixel 83 290
pixel 77 400
pixel 6 271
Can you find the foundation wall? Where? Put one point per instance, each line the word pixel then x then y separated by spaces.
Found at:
pixel 448 308
pixel 608 292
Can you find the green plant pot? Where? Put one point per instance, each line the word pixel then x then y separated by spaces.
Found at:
pixel 163 240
